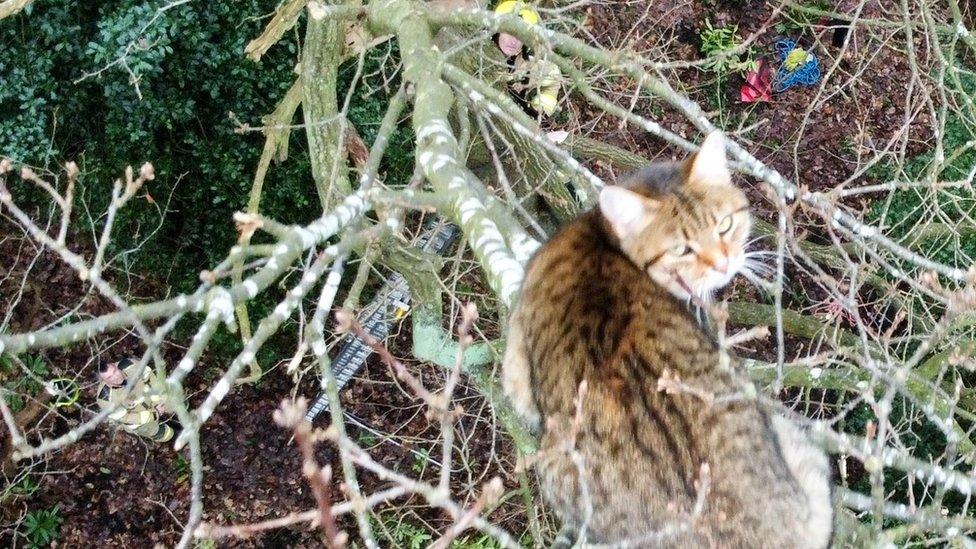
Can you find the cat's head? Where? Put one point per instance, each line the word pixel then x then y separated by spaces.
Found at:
pixel 685 224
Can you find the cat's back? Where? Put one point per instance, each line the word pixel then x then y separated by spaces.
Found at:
pixel 578 274
pixel 586 307
pixel 587 313
pixel 579 277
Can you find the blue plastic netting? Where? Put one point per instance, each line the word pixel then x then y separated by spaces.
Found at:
pixel 806 74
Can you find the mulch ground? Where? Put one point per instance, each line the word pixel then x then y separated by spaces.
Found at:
pixel 113 489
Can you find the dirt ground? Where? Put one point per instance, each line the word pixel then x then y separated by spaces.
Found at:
pixel 253 470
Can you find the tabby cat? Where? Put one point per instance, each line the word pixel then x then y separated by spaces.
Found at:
pixel 667 448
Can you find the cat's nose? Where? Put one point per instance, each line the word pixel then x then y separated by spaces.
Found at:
pixel 719 263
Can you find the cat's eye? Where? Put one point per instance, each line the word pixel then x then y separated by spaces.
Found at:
pixel 679 249
pixel 725 225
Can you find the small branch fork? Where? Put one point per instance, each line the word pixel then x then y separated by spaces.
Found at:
pixel 291 415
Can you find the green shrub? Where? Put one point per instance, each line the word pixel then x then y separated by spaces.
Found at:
pixel 95 82
pixel 19 385
pixel 914 217
pixel 393 530
pixel 397 532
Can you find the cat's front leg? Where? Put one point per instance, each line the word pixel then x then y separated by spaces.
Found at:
pixel 516 376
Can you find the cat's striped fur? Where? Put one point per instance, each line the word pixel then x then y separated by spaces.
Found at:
pixel 699 465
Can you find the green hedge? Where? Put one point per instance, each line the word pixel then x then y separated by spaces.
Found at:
pixel 191 74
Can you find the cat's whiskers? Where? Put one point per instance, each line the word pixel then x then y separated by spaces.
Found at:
pixel 757 239
pixel 758 267
pixel 756 280
pixel 756 261
pixel 751 272
pixel 757 270
pixel 762 258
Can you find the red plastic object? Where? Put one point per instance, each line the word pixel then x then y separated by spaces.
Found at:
pixel 758 85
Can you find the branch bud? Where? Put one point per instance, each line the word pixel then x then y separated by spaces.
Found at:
pixel 147 172
pixel 247 225
pixel 344 319
pixel 291 412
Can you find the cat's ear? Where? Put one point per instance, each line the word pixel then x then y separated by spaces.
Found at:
pixel 709 166
pixel 628 212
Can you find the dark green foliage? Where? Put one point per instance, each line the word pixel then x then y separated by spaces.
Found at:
pixel 908 217
pixel 191 74
pixel 41 527
pixel 369 104
pixel 170 87
pixel 920 439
